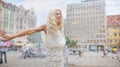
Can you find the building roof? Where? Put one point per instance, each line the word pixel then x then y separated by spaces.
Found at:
pixel 113 20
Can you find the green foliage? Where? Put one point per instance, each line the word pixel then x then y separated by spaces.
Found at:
pixel 34 38
pixel 70 42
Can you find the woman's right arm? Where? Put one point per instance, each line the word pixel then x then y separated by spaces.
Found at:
pixel 23 33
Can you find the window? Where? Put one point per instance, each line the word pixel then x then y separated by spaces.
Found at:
pixel 115 34
pixel 110 41
pixel 118 18
pixel 111 19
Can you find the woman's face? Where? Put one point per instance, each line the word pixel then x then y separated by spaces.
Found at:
pixel 58 16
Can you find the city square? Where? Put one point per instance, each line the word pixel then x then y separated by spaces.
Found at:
pixel 90 59
pixel 40 33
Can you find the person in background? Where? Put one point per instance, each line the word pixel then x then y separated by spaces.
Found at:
pixel 105 52
pixel 80 53
pixel 3 51
pixel 25 50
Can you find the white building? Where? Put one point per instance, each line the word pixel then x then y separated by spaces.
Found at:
pixel 16 19
pixel 86 23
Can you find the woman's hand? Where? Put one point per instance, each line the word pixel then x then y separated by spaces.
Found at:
pixel 5 36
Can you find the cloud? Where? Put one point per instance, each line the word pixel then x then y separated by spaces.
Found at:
pixel 38 5
pixel 42 7
pixel 113 7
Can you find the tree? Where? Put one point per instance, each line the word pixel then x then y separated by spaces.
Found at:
pixel 73 43
pixel 70 42
pixel 34 38
pixel 67 41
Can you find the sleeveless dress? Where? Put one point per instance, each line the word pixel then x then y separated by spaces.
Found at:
pixel 54 56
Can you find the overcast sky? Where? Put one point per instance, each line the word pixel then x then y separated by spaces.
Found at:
pixel 42 7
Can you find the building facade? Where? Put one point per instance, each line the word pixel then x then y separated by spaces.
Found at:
pixel 0 13
pixel 113 26
pixel 86 23
pixel 15 19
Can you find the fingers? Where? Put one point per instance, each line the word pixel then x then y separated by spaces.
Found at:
pixel 2 32
pixel 3 36
pixel 3 39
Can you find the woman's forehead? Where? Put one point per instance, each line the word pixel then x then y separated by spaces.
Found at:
pixel 57 10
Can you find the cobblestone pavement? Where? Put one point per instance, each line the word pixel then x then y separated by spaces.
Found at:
pixel 88 60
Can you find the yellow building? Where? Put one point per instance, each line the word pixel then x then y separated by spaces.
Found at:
pixel 113 26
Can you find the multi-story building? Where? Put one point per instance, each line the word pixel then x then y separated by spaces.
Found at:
pixel 86 23
pixel 113 30
pixel 15 19
pixel 0 13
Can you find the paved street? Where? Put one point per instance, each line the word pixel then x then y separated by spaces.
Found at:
pixel 88 60
pixel 96 60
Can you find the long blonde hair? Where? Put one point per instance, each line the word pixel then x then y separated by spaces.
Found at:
pixel 52 25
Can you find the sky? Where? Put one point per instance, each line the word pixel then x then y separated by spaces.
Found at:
pixel 42 7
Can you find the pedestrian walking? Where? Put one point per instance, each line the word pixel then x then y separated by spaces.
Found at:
pixel 80 53
pixel 1 60
pixel 3 52
pixel 54 39
pixel 25 50
pixel 105 52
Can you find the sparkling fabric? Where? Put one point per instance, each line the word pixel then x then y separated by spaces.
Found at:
pixel 54 58
pixel 54 45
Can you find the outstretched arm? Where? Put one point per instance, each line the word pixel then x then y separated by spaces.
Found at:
pixel 23 33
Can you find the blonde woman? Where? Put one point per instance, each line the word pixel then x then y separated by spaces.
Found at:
pixel 53 38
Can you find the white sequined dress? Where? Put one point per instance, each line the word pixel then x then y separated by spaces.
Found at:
pixel 54 56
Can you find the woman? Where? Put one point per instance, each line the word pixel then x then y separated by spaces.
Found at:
pixel 53 38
